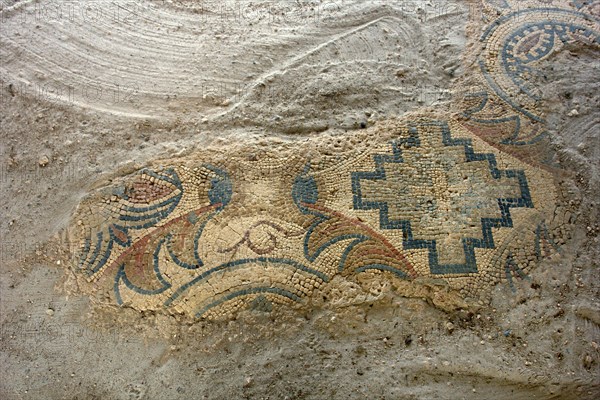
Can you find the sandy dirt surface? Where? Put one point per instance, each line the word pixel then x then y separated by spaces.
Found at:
pixel 93 92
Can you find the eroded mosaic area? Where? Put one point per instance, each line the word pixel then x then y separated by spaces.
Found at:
pixel 470 199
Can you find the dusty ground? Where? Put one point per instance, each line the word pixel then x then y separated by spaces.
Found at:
pixel 89 94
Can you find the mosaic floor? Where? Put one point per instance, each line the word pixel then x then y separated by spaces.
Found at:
pixel 469 198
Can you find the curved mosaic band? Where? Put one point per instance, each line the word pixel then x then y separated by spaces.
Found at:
pixel 505 103
pixel 519 40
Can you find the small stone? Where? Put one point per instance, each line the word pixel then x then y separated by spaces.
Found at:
pixel 449 327
pixel 43 161
pixel 50 312
pixel 573 113
pixel 401 72
pixel 248 382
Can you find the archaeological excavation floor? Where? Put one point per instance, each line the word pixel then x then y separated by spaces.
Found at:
pixel 300 200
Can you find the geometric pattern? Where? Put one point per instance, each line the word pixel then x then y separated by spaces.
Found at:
pixel 471 201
